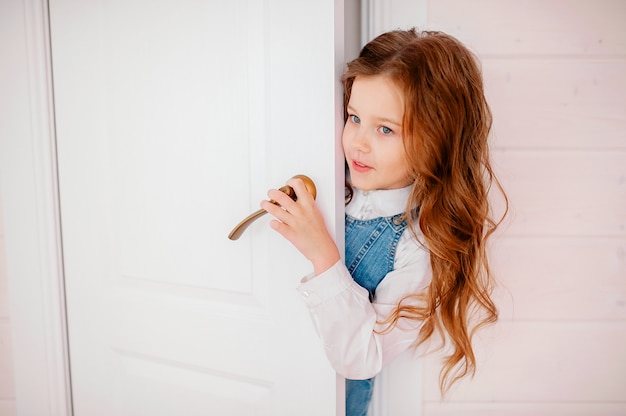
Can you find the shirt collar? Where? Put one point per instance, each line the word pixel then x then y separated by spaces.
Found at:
pixel 367 205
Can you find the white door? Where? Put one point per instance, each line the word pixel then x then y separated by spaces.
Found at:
pixel 173 119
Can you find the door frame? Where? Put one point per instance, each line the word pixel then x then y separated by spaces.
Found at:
pixel 30 204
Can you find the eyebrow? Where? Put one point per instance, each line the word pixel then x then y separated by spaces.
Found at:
pixel 384 120
pixel 390 121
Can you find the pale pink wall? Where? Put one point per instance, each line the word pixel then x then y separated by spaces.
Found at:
pixel 7 391
pixel 555 73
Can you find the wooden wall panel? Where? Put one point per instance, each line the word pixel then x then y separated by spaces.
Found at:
pixel 560 279
pixel 534 27
pixel 565 193
pixel 525 409
pixel 553 103
pixel 555 77
pixel 543 362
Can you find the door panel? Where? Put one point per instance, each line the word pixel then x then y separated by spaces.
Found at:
pixel 173 119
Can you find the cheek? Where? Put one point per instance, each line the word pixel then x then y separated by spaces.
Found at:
pixel 400 156
pixel 345 137
pixel 405 163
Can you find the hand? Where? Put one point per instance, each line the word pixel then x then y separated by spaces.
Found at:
pixel 302 223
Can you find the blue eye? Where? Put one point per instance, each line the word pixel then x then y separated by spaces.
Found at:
pixel 355 119
pixel 386 130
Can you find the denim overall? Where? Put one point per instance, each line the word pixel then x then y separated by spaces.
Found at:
pixel 370 252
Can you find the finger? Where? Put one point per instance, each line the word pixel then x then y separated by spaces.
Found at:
pixel 282 199
pixel 274 210
pixel 301 191
pixel 280 227
pixel 280 206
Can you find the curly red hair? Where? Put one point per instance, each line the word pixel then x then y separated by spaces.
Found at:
pixel 446 125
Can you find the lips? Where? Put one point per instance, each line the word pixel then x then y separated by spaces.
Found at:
pixel 360 167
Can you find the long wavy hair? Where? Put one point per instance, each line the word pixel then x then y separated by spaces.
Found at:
pixel 445 130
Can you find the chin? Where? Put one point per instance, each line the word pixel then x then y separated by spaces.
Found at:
pixel 362 185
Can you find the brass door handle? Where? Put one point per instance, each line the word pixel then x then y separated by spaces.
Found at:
pixel 241 227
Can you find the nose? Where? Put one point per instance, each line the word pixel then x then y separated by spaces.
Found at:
pixel 357 140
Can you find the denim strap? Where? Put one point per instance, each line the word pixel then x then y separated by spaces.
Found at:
pixel 370 255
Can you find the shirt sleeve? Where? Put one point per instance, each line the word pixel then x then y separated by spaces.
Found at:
pixel 357 346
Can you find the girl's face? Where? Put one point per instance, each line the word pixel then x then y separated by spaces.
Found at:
pixel 372 136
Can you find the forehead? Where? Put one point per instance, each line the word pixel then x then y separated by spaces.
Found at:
pixel 379 95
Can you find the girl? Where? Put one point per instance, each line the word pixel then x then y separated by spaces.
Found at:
pixel 417 213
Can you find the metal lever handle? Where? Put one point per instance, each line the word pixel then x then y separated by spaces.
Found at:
pixel 241 227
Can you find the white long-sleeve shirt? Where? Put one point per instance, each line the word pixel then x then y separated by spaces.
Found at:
pixel 345 319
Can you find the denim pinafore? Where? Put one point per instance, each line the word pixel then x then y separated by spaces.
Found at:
pixel 370 253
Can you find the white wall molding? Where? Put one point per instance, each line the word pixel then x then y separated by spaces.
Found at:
pixel 31 217
pixel 379 16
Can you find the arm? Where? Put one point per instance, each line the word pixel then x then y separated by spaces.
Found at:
pixel 346 321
